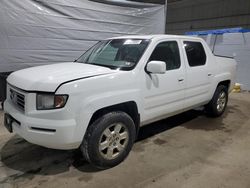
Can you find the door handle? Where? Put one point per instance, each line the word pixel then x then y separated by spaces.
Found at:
pixel 181 79
pixel 209 74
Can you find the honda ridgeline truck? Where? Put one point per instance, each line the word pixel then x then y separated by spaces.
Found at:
pixel 99 102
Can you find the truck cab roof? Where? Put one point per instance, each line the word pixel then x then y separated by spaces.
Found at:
pixel 160 36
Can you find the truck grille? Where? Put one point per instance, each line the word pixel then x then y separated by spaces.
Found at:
pixel 18 99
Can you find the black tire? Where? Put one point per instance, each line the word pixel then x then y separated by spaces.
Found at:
pixel 211 108
pixel 95 134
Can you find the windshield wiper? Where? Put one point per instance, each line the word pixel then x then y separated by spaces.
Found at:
pixel 108 66
pixel 101 65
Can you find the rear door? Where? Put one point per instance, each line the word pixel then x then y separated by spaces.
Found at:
pixel 198 72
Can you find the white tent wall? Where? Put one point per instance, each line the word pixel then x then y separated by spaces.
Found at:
pixel 38 32
pixel 235 45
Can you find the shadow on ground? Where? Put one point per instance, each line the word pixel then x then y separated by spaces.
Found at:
pixel 29 159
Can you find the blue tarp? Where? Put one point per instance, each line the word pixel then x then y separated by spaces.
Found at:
pixel 219 31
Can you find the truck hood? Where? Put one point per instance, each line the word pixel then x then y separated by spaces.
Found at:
pixel 49 77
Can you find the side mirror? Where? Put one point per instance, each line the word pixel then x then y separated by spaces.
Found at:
pixel 156 67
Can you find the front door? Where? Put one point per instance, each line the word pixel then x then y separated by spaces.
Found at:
pixel 164 93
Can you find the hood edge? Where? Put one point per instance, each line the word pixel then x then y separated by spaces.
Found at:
pixel 80 79
pixel 37 91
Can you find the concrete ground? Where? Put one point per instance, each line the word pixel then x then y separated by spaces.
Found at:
pixel 188 150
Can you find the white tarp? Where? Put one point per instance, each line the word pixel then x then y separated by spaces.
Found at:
pixel 37 32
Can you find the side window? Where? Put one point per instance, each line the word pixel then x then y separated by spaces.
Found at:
pixel 195 53
pixel 167 52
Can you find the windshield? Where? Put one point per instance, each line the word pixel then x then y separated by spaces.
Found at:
pixel 117 53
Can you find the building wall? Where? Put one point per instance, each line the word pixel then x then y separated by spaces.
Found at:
pixel 194 15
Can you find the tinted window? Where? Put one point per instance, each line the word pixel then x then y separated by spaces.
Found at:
pixel 195 53
pixel 167 52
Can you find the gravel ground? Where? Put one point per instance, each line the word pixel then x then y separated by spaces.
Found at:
pixel 187 150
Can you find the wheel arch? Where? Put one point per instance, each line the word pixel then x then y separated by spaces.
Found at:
pixel 129 107
pixel 225 83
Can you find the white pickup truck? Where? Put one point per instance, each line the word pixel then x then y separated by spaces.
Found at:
pixel 98 102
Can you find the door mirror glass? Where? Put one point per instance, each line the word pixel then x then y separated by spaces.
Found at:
pixel 156 67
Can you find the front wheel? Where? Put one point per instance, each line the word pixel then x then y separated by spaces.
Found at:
pixel 217 105
pixel 109 140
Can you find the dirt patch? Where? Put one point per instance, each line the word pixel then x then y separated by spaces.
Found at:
pixel 85 177
pixel 159 141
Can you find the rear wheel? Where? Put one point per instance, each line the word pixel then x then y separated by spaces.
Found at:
pixel 109 140
pixel 217 105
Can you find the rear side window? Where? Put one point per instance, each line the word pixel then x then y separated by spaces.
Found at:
pixel 167 52
pixel 195 53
